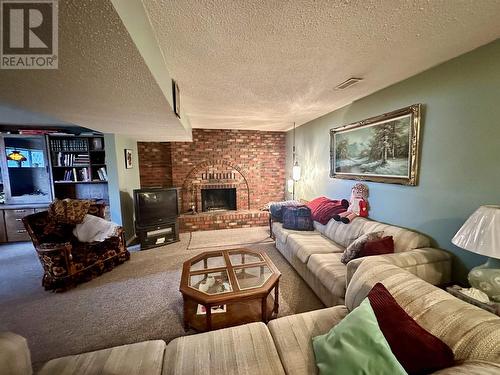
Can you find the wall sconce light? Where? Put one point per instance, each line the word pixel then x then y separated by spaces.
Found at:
pixel 296 171
pixel 296 167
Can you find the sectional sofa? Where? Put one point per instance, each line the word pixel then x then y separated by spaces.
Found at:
pixel 316 255
pixel 284 346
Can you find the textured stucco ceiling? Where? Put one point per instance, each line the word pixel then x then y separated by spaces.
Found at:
pixel 102 82
pixel 263 64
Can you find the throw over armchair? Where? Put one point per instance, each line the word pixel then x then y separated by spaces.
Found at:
pixel 65 260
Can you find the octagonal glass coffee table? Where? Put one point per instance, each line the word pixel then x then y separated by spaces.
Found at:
pixel 225 288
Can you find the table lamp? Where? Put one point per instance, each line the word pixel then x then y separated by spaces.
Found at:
pixel 481 235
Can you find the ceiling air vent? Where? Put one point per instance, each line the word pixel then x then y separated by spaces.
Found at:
pixel 348 83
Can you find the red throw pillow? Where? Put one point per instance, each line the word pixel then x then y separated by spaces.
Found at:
pixel 328 210
pixel 418 351
pixel 315 203
pixel 323 209
pixel 381 246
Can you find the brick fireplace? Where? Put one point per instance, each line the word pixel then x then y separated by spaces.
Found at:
pixel 246 167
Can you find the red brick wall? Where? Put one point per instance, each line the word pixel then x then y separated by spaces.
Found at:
pixel 258 157
pixel 155 164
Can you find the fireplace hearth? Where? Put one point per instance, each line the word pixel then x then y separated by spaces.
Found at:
pixel 218 199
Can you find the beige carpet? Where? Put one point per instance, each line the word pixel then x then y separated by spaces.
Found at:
pixel 228 237
pixel 137 301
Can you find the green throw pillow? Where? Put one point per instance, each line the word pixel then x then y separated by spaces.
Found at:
pixel 356 346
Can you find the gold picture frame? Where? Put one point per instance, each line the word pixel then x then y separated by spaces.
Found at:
pixel 383 148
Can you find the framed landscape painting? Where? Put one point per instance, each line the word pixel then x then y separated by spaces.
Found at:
pixel 381 149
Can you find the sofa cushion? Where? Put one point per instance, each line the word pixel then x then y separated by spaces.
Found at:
pixel 281 234
pixel 330 271
pixel 472 333
pixel 303 246
pixel 344 234
pixel 246 349
pixel 69 211
pixel 404 239
pixel 471 368
pixel 140 358
pixel 15 358
pixel 321 228
pixel 293 337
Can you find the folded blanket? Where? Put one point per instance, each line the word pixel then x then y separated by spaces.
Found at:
pixel 95 229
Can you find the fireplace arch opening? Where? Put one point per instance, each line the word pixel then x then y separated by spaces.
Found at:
pixel 219 199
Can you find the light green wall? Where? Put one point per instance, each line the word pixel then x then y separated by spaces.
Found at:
pixel 122 181
pixel 460 149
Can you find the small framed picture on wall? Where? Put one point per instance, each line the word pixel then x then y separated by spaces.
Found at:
pixel 128 159
pixel 177 99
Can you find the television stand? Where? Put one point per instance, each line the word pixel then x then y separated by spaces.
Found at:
pixel 158 235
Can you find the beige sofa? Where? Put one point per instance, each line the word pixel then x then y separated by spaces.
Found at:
pixel 285 346
pixel 316 255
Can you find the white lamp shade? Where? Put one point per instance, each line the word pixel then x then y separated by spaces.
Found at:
pixel 296 172
pixel 481 232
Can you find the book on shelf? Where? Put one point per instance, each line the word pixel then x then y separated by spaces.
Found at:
pixel 87 134
pixel 61 134
pixel 101 172
pixel 76 175
pixel 35 131
pixel 69 160
pixel 69 145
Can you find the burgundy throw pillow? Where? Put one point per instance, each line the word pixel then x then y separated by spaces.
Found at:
pixel 381 246
pixel 418 351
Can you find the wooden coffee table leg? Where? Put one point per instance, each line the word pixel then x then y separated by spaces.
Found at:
pixel 264 309
pixel 186 323
pixel 209 317
pixel 276 298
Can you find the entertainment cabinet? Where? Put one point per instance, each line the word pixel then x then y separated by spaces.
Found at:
pixel 35 169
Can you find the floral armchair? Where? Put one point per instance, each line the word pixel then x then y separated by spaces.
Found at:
pixel 65 260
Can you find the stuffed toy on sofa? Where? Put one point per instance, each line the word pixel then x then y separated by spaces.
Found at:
pixel 358 204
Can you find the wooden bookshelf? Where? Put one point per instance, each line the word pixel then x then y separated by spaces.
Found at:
pixel 78 166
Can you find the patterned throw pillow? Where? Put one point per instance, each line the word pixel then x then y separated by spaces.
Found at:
pixel 69 211
pixel 297 218
pixel 354 249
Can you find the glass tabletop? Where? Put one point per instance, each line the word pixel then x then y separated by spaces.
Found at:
pixel 211 282
pixel 252 277
pixel 239 258
pixel 210 261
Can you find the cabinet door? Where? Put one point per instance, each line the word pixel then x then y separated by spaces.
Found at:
pixel 25 169
pixel 3 236
pixel 14 225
